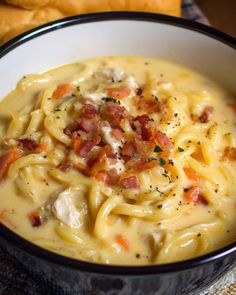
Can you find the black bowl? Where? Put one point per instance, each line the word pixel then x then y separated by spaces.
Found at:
pixel 69 276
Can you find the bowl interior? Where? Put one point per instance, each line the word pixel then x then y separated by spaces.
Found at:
pixel 113 36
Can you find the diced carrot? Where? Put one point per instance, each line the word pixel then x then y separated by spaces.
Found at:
pixel 122 241
pixel 81 167
pixel 7 159
pixel 147 165
pixel 192 194
pixel 42 147
pixel 61 91
pixel 230 153
pixel 76 143
pixel 101 176
pixel 191 174
pixel 118 92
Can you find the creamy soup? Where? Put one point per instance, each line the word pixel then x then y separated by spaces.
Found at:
pixel 119 160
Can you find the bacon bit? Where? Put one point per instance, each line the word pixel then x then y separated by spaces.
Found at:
pixel 28 144
pixel 65 166
pixel 88 111
pixel 163 140
pixel 207 112
pixel 61 91
pixel 72 128
pixel 86 146
pixel 130 182
pixel 35 218
pixel 112 177
pixel 96 163
pixel 129 149
pixel 230 153
pixel 114 113
pixel 7 159
pixel 118 92
pixel 202 200
pixel 147 165
pixel 192 194
pixel 150 105
pixel 191 174
pixel 117 133
pixel 87 125
pixel 142 119
pixel 146 133
pixel 122 241
pixel 232 105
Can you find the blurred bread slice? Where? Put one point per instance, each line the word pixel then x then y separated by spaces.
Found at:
pixel 21 15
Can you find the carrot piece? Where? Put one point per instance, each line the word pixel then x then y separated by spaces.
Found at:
pixel 122 241
pixel 76 143
pixel 7 159
pixel 118 92
pixel 191 174
pixel 192 194
pixel 61 90
pixel 101 176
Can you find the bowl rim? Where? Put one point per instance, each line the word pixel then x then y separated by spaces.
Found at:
pixel 67 262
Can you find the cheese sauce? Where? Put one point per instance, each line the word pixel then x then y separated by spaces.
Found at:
pixel 119 160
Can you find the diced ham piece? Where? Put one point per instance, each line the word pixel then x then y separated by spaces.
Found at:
pixel 207 112
pixel 27 143
pixel 163 140
pixel 129 182
pixel 88 111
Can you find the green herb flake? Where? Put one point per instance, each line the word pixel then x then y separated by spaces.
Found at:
pixel 162 162
pixel 158 149
pixel 180 149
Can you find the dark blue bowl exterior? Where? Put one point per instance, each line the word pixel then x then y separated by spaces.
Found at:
pixel 62 280
pixel 67 276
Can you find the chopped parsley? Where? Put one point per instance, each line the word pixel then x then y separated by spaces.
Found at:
pixel 57 110
pixel 180 149
pixel 158 149
pixel 162 162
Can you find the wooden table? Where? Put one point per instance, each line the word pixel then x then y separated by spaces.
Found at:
pixel 221 14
